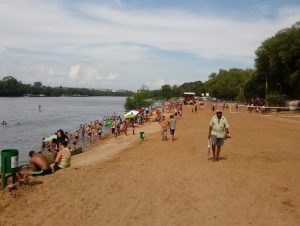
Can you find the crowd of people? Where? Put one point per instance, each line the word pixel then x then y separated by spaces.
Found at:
pixel 54 155
pixel 56 150
pixel 174 110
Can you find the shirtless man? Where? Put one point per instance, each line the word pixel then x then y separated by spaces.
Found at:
pixel 164 126
pixel 39 164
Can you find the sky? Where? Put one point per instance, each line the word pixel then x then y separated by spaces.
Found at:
pixel 124 44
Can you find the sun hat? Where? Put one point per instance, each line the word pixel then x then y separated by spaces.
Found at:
pixel 219 110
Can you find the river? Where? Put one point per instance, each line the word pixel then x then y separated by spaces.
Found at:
pixel 65 113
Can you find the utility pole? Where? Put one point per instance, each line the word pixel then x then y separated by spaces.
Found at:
pixel 266 86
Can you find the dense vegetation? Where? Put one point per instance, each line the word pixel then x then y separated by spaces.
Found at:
pixel 9 86
pixel 139 99
pixel 278 65
pixel 227 84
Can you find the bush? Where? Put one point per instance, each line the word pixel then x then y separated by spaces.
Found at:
pixel 275 99
pixel 140 99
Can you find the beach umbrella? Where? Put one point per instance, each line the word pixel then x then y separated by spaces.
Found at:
pixel 131 114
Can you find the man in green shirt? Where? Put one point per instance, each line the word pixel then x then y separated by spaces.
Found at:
pixel 218 132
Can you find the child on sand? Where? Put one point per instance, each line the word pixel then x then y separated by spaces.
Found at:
pixel 164 125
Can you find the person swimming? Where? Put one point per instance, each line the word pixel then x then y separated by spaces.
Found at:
pixel 4 123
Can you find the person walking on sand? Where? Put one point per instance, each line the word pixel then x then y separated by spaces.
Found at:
pixel 218 132
pixel 172 124
pixel 132 125
pixel 113 128
pixel 164 126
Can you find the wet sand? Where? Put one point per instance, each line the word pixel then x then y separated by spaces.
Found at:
pixel 256 182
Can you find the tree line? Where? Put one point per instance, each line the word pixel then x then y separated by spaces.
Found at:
pixel 11 87
pixel 274 79
pixel 276 73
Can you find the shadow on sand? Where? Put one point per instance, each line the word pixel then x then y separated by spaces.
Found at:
pixel 221 158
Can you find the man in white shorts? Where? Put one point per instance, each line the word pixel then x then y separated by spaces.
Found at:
pixel 218 132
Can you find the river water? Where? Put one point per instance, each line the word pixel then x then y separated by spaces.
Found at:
pixel 65 113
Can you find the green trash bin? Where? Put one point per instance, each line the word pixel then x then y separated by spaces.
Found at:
pixel 9 160
pixel 142 135
pixel 9 164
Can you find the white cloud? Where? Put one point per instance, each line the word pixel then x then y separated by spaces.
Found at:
pixel 173 30
pixel 126 41
pixel 51 72
pixel 74 72
pixel 160 82
pixel 2 49
pixel 113 77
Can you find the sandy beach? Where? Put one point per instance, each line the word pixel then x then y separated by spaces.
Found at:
pixel 125 182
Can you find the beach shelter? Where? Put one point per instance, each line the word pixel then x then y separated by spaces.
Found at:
pixel 131 114
pixel 50 138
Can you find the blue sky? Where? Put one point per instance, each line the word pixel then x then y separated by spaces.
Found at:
pixel 127 44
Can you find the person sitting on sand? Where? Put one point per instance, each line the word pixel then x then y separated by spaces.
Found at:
pixel 61 136
pixel 50 152
pixel 39 164
pixel 63 157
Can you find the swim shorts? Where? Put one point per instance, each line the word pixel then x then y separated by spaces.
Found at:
pixel 42 172
pixel 56 167
pixel 172 131
pixel 164 132
pixel 217 141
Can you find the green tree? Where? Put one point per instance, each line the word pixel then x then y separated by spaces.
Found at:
pixel 37 84
pixel 138 100
pixel 9 86
pixel 166 92
pixel 228 84
pixel 278 62
pixel 198 87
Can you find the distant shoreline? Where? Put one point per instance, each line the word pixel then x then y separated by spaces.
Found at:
pixel 60 96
